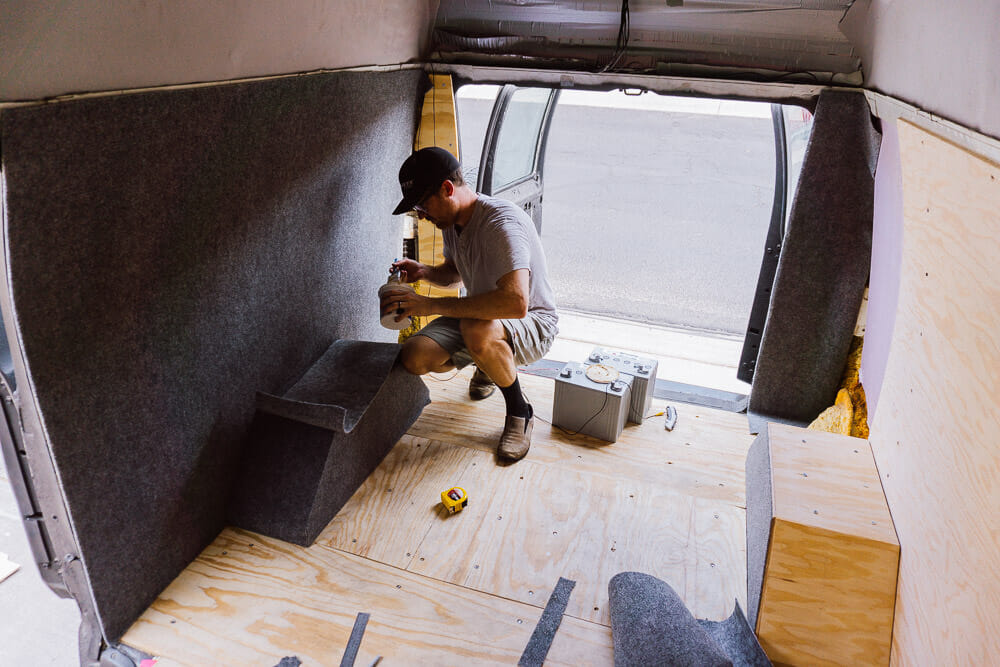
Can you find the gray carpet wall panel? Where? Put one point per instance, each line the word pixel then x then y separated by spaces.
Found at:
pixel 759 512
pixel 823 267
pixel 311 449
pixel 173 253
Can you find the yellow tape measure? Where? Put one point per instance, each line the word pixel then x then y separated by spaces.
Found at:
pixel 455 499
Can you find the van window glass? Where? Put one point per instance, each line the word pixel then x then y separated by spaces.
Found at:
pixel 798 126
pixel 473 105
pixel 515 153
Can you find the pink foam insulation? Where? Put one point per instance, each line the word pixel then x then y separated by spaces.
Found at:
pixel 887 252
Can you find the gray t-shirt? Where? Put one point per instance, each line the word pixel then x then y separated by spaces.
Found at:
pixel 499 238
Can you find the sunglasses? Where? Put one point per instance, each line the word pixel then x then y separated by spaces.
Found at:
pixel 421 206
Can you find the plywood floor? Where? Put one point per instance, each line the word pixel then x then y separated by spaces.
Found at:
pixel 469 588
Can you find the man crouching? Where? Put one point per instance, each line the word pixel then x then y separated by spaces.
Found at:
pixel 507 318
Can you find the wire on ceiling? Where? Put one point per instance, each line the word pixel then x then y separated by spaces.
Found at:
pixel 621 43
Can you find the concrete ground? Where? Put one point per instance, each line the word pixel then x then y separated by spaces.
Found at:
pixel 37 627
pixel 655 208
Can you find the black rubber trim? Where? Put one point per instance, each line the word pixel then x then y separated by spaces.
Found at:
pixel 772 250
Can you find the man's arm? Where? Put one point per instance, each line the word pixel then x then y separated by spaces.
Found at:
pixel 508 301
pixel 443 275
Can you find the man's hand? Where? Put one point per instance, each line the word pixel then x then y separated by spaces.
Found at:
pixel 405 303
pixel 412 271
pixel 509 300
pixel 444 274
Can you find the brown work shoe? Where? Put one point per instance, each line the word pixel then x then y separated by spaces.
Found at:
pixel 481 386
pixel 516 437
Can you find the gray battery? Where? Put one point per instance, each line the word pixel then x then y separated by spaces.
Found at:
pixel 581 405
pixel 643 371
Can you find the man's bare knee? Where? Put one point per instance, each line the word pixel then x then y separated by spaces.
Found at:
pixel 421 355
pixel 480 335
pixel 412 362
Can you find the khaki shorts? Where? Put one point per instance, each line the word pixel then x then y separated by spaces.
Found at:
pixel 529 338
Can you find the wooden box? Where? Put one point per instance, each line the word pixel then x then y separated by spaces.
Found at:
pixel 827 556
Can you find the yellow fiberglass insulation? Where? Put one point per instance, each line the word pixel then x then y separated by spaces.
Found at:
pixel 849 414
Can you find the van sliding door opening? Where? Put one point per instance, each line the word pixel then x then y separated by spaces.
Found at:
pixel 657 208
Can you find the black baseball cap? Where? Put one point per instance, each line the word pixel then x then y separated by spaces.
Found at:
pixel 423 172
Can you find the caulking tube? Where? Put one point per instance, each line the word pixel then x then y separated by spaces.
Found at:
pixel 394 283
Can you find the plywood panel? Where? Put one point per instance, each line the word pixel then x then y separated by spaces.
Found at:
pixel 935 432
pixel 716 570
pixel 830 574
pixel 827 597
pixel 827 481
pixel 388 517
pixel 438 127
pixel 472 585
pixel 537 522
pixel 438 123
pixel 250 600
pixel 703 456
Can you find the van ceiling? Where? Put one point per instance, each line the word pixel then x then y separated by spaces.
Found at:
pixel 776 40
pixel 938 56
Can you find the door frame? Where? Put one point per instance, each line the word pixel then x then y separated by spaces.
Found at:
pixel 528 190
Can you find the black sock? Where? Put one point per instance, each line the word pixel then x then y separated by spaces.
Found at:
pixel 516 405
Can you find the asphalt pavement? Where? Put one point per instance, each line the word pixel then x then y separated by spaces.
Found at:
pixel 655 213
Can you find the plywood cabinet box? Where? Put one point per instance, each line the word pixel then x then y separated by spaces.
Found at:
pixel 822 550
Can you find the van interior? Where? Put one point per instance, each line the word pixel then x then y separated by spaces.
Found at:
pixel 787 210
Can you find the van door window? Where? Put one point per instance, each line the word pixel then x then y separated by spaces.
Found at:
pixel 798 127
pixel 516 147
pixel 513 145
pixel 473 104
